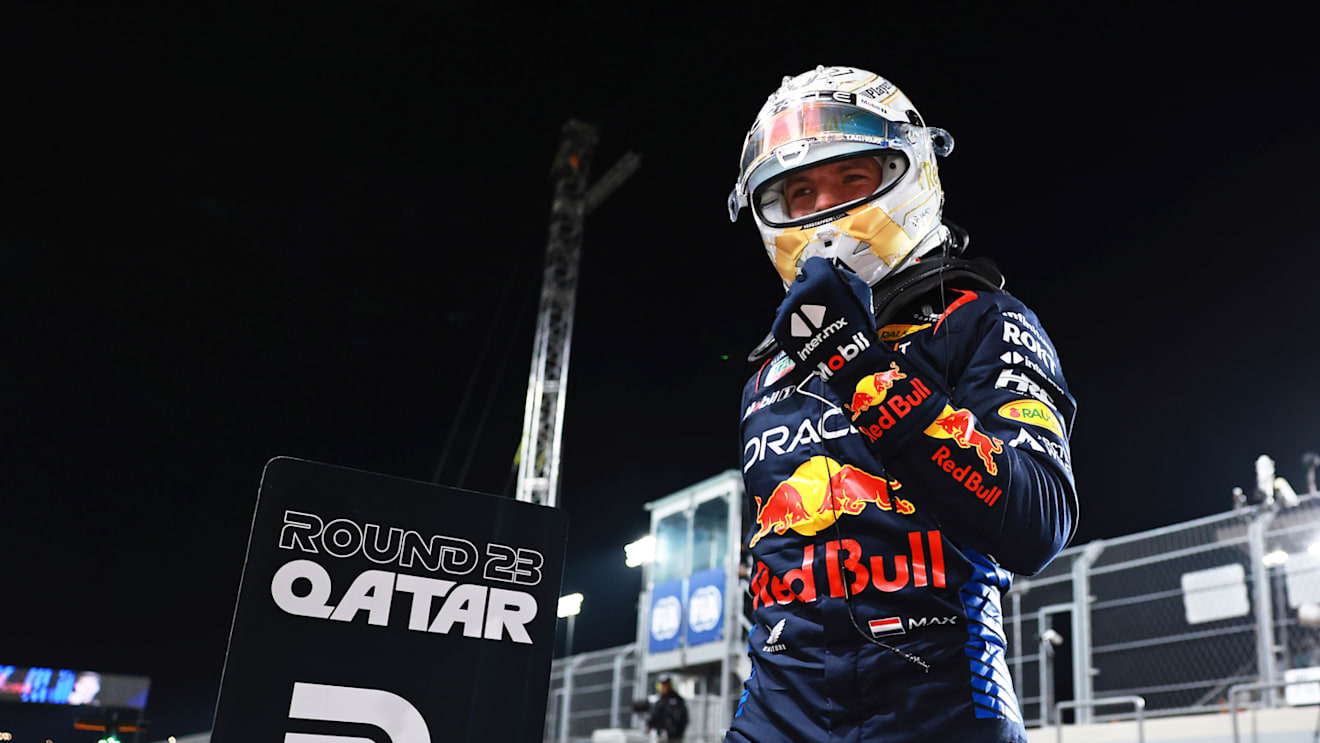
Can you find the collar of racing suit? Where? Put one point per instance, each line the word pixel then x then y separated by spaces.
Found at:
pixel 894 293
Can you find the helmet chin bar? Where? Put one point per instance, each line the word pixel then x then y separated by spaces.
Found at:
pixel 849 249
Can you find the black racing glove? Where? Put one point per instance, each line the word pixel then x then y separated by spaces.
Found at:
pixel 826 327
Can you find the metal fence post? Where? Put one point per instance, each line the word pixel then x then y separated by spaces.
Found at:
pixel 1046 681
pixel 1260 576
pixel 1017 638
pixel 1046 650
pixel 1081 628
pixel 615 682
pixel 643 630
pixel 566 700
pixel 1234 691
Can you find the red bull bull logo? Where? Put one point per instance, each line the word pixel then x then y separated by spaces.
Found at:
pixel 889 409
pixel 920 567
pixel 960 425
pixel 851 489
pixel 872 388
pixel 818 492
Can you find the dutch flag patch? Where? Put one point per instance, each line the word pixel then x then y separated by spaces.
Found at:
pixel 887 626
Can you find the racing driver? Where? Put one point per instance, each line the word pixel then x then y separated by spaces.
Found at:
pixel 905 437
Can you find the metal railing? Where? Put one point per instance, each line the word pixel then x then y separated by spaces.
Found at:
pixel 1179 616
pixel 1176 615
pixel 1137 702
pixel 1262 686
pixel 590 691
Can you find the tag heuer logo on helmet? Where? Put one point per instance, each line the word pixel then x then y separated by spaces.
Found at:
pixel 846 352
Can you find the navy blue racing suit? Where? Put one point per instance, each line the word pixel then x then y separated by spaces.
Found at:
pixel 914 551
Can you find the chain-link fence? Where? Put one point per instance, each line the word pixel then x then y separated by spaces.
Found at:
pixel 1171 615
pixel 1032 607
pixel 1176 615
pixel 1292 557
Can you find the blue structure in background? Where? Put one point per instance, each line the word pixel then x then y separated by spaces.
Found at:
pixel 705 607
pixel 666 616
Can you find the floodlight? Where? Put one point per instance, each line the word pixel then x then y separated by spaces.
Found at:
pixel 640 552
pixel 570 605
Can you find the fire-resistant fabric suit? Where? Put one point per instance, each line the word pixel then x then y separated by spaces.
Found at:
pixel 925 542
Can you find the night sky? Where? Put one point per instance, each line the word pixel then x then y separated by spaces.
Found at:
pixel 232 231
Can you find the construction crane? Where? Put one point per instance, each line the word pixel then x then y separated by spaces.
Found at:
pixel 547 383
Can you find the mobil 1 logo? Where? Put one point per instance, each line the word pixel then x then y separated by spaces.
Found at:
pixel 376 608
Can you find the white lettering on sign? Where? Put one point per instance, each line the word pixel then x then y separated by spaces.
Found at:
pixel 479 611
pixel 394 715
pixel 344 538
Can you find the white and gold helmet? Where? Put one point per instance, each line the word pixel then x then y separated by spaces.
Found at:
pixel 827 115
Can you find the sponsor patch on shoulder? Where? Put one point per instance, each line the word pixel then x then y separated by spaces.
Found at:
pixel 894 332
pixel 1032 412
pixel 779 366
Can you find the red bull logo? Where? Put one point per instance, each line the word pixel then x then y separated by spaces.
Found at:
pixel 921 566
pixel 960 425
pixel 817 493
pixel 872 388
pixel 943 458
pixel 893 408
pixel 851 489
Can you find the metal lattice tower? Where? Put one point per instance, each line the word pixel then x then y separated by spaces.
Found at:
pixel 543 418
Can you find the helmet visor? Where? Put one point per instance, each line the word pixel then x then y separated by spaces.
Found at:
pixel 826 188
pixel 782 139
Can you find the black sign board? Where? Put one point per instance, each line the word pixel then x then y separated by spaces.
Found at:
pixel 376 608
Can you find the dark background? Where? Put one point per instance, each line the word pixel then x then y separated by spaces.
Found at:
pixel 231 231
